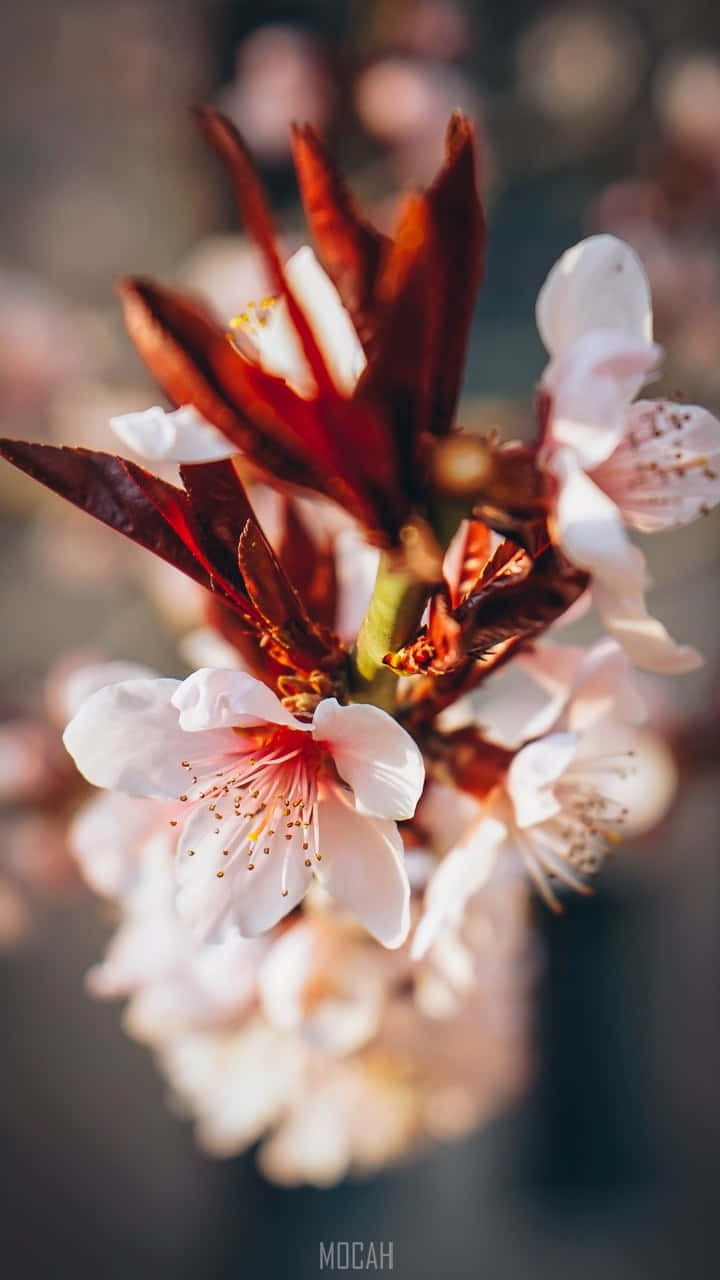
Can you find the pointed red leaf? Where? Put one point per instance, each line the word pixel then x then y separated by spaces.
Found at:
pixel 194 362
pixel 459 244
pixel 297 640
pixel 103 486
pixel 349 247
pixel 310 566
pixel 255 213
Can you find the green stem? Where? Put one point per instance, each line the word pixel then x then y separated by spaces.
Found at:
pixel 393 614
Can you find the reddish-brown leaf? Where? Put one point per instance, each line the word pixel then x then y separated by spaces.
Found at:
pixel 255 213
pixel 310 566
pixel 108 489
pixel 458 258
pixel 349 247
pixel 194 362
pixel 296 638
pixel 220 508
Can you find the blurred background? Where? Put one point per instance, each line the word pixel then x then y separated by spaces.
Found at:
pixel 593 117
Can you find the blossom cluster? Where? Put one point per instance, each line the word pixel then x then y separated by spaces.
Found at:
pixel 322 841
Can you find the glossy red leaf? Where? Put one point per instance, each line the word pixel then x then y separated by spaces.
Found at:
pixel 108 489
pixel 349 247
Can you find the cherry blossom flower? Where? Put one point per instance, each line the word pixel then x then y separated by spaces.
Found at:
pixel 271 800
pixel 563 798
pixel 646 465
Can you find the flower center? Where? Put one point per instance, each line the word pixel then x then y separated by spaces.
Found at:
pixel 266 798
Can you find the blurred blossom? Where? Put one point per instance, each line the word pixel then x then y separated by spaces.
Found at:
pixel 281 75
pixel 43 342
pixel 435 28
pixel 405 102
pixel 580 66
pixel 687 96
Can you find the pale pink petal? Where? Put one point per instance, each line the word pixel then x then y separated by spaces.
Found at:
pixel 590 530
pixel 599 283
pixel 533 773
pixel 460 875
pixel 127 737
pixel 218 891
pixel 665 471
pixel 105 838
pixel 374 754
pixel 362 867
pixel 71 690
pixel 645 640
pixel 591 386
pixel 603 687
pixel 182 435
pixel 212 699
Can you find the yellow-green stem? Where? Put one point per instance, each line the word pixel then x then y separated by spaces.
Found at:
pixel 393 615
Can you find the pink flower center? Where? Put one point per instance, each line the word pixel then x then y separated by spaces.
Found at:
pixel 265 797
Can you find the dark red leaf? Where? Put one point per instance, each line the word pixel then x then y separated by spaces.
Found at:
pixel 310 566
pixel 107 489
pixel 195 363
pixel 458 258
pixel 349 247
pixel 297 640
pixel 254 211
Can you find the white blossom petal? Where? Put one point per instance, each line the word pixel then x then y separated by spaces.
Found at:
pixel 590 387
pixel 127 737
pixel 599 283
pixel 374 754
pixel 362 867
pixel 665 471
pixel 212 699
pixel 645 640
pixel 106 837
pixel 182 435
pixel 590 529
pixel 533 773
pixel 217 890
pixel 460 875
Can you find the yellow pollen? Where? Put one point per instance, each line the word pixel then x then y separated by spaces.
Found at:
pixel 219 874
pixel 254 835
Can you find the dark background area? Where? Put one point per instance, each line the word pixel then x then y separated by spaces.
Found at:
pixel 609 1165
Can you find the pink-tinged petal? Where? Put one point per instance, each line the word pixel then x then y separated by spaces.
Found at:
pixel 591 387
pixel 645 640
pixel 127 737
pixel 533 774
pixel 182 435
pixel 71 690
pixel 665 471
pixel 460 875
pixel 106 838
pixel 362 867
pixel 212 699
pixel 590 530
pixel 218 893
pixel 374 754
pixel 599 283
pixel 603 687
